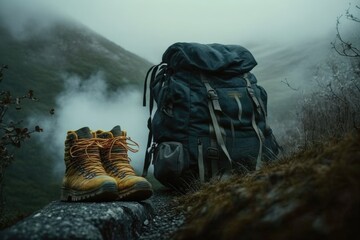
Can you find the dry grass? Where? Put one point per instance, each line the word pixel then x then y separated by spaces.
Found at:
pixel 333 110
pixel 312 195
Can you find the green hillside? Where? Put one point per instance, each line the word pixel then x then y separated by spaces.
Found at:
pixel 41 61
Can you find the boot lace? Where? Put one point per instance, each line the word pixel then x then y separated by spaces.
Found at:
pixel 118 159
pixel 86 153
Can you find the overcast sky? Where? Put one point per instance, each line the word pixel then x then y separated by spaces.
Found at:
pixel 148 27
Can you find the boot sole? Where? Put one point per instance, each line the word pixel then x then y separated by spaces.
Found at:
pixel 138 192
pixel 105 192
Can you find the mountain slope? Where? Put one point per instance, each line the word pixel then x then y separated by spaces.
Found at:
pixel 41 59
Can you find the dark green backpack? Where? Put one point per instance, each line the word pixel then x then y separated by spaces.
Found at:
pixel 210 114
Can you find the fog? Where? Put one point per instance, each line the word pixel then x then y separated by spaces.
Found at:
pixel 289 39
pixel 88 102
pixel 148 27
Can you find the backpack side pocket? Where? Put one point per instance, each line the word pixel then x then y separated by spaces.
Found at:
pixel 169 162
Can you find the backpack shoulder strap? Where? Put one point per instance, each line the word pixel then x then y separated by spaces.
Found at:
pixel 215 108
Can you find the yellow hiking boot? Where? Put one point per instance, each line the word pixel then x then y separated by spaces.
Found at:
pixel 117 165
pixel 85 178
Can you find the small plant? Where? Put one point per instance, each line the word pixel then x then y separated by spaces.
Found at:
pixel 11 133
pixel 334 110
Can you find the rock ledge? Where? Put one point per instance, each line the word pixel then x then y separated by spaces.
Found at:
pixel 64 220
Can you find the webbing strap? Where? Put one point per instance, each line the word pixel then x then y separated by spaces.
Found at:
pixel 214 105
pixel 251 93
pixel 153 77
pixel 263 107
pixel 258 133
pixel 148 153
pixel 260 106
pixel 147 159
pixel 145 84
pixel 253 121
pixel 213 152
pixel 237 99
pixel 214 167
pixel 201 162
pixel 264 112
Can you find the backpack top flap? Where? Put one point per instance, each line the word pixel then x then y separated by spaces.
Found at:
pixel 214 57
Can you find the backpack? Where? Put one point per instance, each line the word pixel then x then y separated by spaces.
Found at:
pixel 211 116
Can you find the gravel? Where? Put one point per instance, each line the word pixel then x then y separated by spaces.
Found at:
pixel 165 220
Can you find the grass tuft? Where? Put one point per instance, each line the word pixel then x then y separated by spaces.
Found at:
pixel 313 194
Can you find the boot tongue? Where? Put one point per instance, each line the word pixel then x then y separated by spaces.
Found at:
pixel 84 133
pixel 116 131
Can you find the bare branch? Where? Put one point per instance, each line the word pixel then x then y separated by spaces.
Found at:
pixel 343 47
pixel 350 16
pixel 286 82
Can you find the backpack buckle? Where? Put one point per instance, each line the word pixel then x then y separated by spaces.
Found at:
pixel 212 95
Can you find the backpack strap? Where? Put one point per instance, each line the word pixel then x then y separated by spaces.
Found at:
pixel 201 162
pixel 212 153
pixel 214 109
pixel 149 151
pixel 258 108
pixel 146 84
pixel 238 102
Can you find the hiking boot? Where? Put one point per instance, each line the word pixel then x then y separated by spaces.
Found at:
pixel 117 165
pixel 85 178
